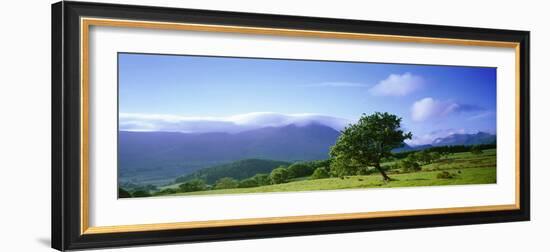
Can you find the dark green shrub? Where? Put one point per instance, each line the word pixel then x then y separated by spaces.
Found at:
pixel 424 157
pixel 410 165
pixel 279 175
pixel 445 175
pixel 167 191
pixel 476 149
pixel 414 157
pixel 320 173
pixel 262 179
pixel 193 185
pixel 247 183
pixel 123 193
pixel 297 170
pixel 141 193
pixel 435 156
pixel 226 183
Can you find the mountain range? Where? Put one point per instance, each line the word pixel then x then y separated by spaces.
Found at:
pixel 454 139
pixel 159 157
pixel 154 157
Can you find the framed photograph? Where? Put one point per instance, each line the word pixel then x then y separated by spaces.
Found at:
pixel 181 125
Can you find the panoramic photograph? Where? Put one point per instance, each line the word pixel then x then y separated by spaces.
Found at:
pixel 210 125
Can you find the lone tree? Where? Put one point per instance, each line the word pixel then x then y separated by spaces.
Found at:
pixel 368 141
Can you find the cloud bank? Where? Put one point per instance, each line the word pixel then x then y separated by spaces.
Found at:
pixel 430 108
pixel 397 85
pixel 229 124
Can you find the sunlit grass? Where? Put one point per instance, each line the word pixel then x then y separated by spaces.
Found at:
pixel 465 168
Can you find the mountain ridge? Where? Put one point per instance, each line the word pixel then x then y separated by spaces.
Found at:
pixel 151 156
pixel 454 139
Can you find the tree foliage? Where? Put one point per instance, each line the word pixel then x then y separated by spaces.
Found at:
pixel 446 150
pixel 435 156
pixel 123 193
pixel 241 169
pixel 342 166
pixel 193 185
pixel 279 175
pixel 262 179
pixel 226 183
pixel 320 173
pixel 297 170
pixel 476 149
pixel 167 191
pixel 425 157
pixel 141 193
pixel 368 141
pixel 409 165
pixel 247 183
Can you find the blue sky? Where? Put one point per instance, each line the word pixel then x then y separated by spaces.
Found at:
pixel 199 94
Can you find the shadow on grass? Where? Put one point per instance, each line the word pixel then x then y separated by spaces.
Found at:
pixel 416 179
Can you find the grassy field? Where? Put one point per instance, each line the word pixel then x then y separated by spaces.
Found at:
pixel 465 168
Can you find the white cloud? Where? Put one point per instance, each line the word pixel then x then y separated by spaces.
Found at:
pixel 430 108
pixel 481 115
pixel 431 136
pixel 228 124
pixel 398 85
pixel 342 84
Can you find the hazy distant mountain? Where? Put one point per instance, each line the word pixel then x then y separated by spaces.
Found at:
pixel 157 157
pixel 225 124
pixel 466 139
pixel 407 147
pixel 454 139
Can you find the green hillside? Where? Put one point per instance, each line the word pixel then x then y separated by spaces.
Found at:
pixel 461 168
pixel 238 170
pixel 467 176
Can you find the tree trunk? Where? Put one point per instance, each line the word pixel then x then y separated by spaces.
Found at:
pixel 386 178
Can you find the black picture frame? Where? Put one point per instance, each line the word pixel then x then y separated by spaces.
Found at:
pixel 66 155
